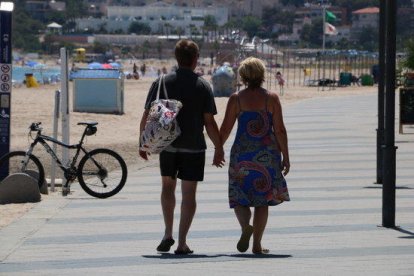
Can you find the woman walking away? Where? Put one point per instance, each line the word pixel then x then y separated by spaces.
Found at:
pixel 259 157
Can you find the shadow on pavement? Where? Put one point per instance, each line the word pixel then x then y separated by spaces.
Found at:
pixel 402 230
pixel 195 256
pixel 174 256
pixel 379 186
pixel 260 256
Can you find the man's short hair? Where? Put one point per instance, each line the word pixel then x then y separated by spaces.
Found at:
pixel 185 52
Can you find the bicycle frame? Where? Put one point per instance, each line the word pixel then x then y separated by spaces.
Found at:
pixel 40 138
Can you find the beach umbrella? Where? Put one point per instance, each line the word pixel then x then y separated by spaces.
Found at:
pixel 54 25
pixel 39 66
pixel 95 65
pixel 106 66
pixel 31 63
pixel 115 65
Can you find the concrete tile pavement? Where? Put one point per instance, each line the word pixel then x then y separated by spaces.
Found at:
pixel 329 228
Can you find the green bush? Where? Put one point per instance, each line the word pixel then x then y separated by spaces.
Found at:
pixel 409 60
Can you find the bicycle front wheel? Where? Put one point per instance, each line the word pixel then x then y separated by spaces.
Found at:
pixel 16 161
pixel 102 173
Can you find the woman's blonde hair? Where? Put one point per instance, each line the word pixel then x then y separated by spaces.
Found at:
pixel 252 72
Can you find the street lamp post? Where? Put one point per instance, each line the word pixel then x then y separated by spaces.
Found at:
pixel 381 91
pixel 389 149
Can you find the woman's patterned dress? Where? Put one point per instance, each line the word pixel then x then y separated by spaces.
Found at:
pixel 255 177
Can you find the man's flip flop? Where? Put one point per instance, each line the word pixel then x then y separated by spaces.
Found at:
pixel 165 245
pixel 243 243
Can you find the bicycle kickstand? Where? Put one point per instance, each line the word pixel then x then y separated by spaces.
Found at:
pixel 66 188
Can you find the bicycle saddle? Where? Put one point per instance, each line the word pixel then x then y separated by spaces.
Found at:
pixel 88 123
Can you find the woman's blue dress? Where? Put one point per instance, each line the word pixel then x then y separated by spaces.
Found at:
pixel 255 176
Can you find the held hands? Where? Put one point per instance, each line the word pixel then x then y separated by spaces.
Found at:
pixel 144 155
pixel 218 160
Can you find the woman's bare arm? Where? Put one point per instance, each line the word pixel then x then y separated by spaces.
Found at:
pixel 280 131
pixel 229 118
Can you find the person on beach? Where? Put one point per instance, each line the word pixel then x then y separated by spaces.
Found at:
pixel 281 81
pixel 259 157
pixel 143 69
pixel 185 157
pixel 135 73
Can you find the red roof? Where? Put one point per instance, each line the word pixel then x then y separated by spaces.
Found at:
pixel 367 10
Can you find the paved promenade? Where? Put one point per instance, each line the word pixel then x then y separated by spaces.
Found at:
pixel 330 227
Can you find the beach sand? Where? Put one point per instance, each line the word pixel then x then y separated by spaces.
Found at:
pixel 117 132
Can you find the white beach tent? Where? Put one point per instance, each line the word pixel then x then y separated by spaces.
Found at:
pixel 54 27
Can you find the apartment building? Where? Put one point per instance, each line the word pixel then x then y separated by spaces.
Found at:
pixel 160 16
pixel 39 9
pixel 364 18
pixel 367 17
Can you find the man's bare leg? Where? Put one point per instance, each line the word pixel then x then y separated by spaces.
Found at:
pixel 168 204
pixel 188 208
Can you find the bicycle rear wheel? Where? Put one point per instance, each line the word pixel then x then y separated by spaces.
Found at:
pixel 16 163
pixel 102 173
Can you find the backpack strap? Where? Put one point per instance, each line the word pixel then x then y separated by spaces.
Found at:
pixel 161 83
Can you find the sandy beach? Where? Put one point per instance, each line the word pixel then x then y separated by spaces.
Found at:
pixel 117 132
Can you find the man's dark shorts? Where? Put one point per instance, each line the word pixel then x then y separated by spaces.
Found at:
pixel 183 165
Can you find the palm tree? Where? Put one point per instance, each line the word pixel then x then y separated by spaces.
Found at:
pixel 159 49
pixel 167 27
pixel 409 60
pixel 180 31
pixel 145 47
pixel 210 24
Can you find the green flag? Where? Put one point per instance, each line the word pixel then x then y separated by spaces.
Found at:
pixel 330 17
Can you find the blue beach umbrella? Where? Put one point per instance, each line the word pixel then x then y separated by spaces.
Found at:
pixel 31 63
pixel 39 66
pixel 95 65
pixel 115 65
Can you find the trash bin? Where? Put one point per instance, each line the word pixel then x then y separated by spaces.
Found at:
pixel 345 78
pixel 409 79
pixel 224 81
pixel 406 107
pixel 367 80
pixel 30 80
pixel 375 72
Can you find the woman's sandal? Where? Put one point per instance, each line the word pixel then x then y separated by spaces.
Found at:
pixel 261 252
pixel 243 243
pixel 183 251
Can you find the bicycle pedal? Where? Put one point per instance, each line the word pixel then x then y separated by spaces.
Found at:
pixel 65 191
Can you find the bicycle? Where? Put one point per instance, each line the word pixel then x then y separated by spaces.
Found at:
pixel 101 172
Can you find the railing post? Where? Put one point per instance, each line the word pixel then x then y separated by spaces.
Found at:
pixel 65 104
pixel 55 134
